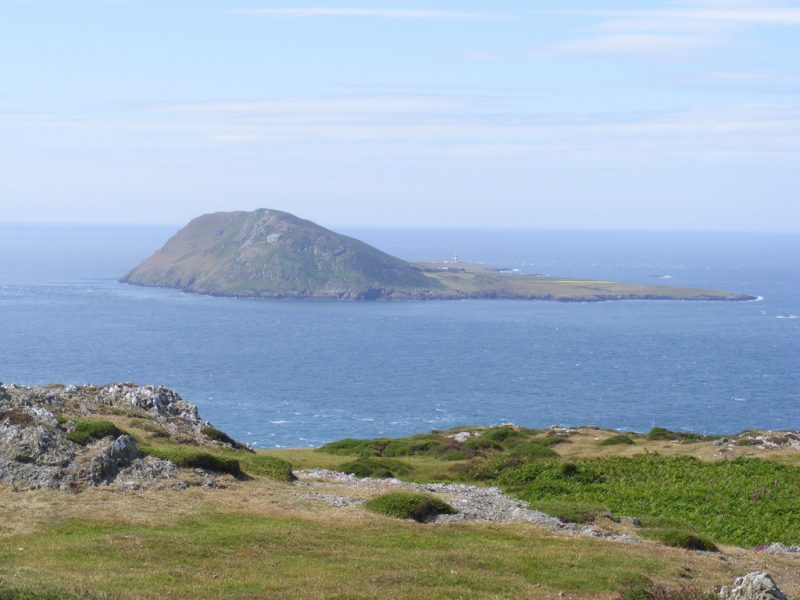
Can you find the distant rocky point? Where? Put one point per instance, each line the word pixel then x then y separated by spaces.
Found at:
pixel 273 254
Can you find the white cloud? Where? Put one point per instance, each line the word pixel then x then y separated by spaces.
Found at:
pixel 632 44
pixel 361 105
pixel 383 13
pixel 767 16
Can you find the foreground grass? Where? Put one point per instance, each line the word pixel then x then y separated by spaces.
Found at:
pixel 225 543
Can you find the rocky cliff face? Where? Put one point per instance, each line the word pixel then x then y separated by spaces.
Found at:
pixel 43 445
pixel 269 253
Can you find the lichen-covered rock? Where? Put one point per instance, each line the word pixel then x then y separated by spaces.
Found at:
pixel 753 586
pixel 113 456
pixel 34 456
pixel 158 400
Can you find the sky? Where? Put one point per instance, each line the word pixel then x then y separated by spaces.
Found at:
pixel 594 114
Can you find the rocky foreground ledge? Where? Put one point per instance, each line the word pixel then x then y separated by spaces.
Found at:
pixel 57 437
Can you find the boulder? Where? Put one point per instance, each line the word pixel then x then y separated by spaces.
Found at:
pixel 34 457
pixel 115 455
pixel 753 586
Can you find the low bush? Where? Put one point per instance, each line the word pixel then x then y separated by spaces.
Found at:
pixel 355 447
pixel 479 444
pixel 379 468
pixel 486 468
pixel 87 431
pixel 660 433
pixel 215 434
pixel 503 435
pixel 269 466
pixel 412 447
pixel 192 458
pixel 617 440
pixel 573 512
pixel 419 507
pixel 534 450
pixel 681 538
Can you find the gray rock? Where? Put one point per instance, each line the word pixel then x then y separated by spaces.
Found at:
pixel 115 455
pixel 778 548
pixel 146 472
pixel 158 400
pixel 35 457
pixel 753 586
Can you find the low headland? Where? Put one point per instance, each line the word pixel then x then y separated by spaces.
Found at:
pixel 273 254
pixel 124 491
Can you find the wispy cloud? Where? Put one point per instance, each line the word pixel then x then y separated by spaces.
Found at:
pixel 744 134
pixel 766 16
pixel 361 105
pixel 684 29
pixel 643 44
pixel 382 13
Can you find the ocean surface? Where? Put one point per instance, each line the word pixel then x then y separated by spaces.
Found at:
pixel 297 373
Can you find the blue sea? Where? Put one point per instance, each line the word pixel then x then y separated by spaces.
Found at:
pixel 298 373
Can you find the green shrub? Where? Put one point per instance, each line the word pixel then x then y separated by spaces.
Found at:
pixel 681 538
pixel 503 435
pixel 660 433
pixel 573 512
pixel 617 440
pixel 534 450
pixel 402 505
pixel 379 468
pixel 192 458
pixel 215 434
pixel 87 431
pixel 553 439
pixel 268 466
pixel 479 444
pixel 486 468
pixel 354 447
pixel 411 447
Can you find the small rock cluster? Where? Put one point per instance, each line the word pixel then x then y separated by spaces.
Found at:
pixel 778 548
pixel 753 586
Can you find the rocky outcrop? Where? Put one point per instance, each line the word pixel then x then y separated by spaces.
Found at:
pixel 35 455
pixel 38 448
pixel 753 586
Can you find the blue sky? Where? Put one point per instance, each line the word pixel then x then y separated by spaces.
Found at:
pixel 678 115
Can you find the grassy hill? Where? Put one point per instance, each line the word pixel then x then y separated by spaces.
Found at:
pixel 269 253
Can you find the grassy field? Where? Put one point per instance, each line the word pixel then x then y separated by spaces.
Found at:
pixel 481 281
pixel 261 538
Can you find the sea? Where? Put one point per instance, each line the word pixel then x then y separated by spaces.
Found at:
pixel 292 373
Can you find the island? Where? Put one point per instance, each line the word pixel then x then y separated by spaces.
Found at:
pixel 273 254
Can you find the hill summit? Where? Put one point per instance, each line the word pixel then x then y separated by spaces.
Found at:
pixel 270 253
